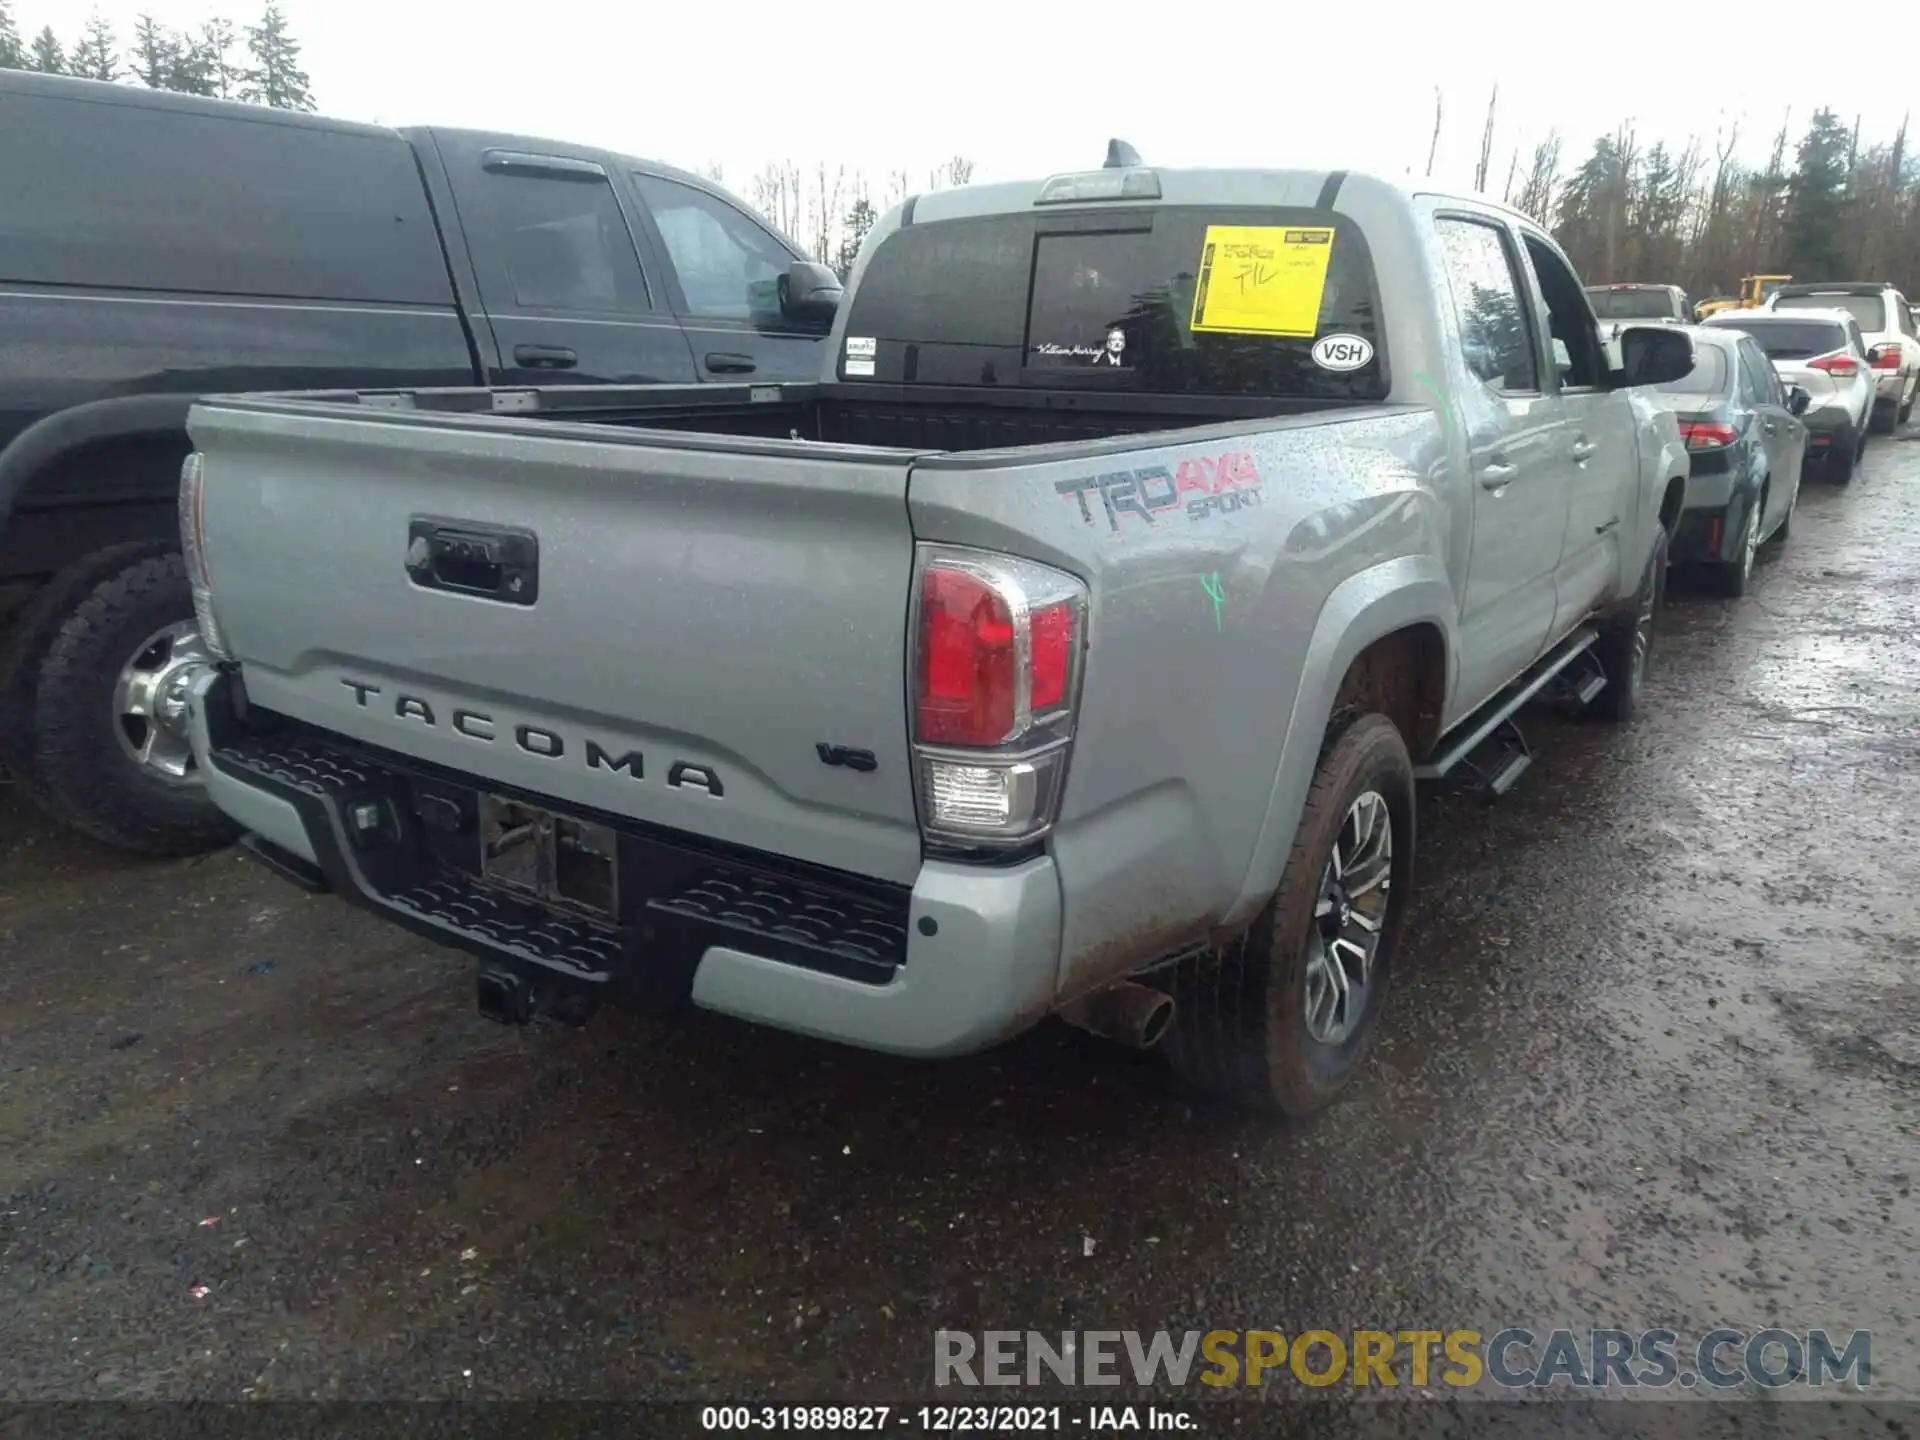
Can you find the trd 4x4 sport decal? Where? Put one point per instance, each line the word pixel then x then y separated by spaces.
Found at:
pixel 1214 485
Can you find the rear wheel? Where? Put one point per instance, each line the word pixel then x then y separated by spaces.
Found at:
pixel 107 725
pixel 1626 641
pixel 1735 576
pixel 1279 1018
pixel 1886 417
pixel 1843 455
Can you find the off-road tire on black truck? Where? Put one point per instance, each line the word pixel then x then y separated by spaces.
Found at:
pixel 78 634
pixel 1240 1030
pixel 1625 645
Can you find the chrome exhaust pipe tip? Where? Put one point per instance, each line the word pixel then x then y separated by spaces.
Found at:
pixel 1130 1013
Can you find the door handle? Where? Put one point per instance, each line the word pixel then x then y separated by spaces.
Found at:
pixel 1602 529
pixel 545 357
pixel 1497 476
pixel 1584 449
pixel 730 364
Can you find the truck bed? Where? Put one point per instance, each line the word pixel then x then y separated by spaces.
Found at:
pixel 916 418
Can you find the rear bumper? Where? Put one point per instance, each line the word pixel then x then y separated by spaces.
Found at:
pixel 1707 534
pixel 965 957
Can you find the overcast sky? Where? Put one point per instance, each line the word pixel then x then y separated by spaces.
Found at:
pixel 1037 86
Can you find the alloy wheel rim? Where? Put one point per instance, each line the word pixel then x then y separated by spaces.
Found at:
pixel 1349 921
pixel 150 702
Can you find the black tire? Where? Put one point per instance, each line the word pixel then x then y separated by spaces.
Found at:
pixel 1843 455
pixel 1240 1030
pixel 1885 419
pixel 1733 578
pixel 1619 650
pixel 30 636
pixel 82 773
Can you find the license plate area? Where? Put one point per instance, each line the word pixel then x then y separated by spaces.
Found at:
pixel 552 858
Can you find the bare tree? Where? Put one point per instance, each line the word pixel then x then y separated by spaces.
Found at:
pixel 775 193
pixel 1486 145
pixel 825 213
pixel 1433 148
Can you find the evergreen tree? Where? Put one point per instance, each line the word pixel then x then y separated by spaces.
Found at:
pixel 205 65
pixel 13 54
pixel 47 56
pixel 157 53
pixel 96 57
pixel 1817 198
pixel 276 78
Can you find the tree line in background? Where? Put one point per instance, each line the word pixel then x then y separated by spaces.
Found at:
pixel 258 63
pixel 830 209
pixel 1827 207
pixel 1690 215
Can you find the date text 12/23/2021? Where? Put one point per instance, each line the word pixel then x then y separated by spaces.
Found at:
pixel 948 1419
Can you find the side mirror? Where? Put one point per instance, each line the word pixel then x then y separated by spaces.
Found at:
pixel 1653 355
pixel 1797 400
pixel 810 295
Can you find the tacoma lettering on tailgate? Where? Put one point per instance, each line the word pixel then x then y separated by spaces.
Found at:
pixel 537 740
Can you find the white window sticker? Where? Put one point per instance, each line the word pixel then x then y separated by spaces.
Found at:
pixel 859 367
pixel 1342 352
pixel 862 347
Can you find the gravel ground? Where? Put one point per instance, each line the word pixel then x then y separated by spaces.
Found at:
pixel 1653 1059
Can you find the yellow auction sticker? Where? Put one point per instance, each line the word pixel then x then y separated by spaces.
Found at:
pixel 1262 280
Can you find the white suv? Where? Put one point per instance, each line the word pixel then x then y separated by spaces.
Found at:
pixel 1824 353
pixel 1887 324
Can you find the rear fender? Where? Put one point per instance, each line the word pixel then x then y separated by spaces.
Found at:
pixel 1411 590
pixel 38 448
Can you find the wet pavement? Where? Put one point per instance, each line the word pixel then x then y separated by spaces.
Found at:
pixel 1653 1059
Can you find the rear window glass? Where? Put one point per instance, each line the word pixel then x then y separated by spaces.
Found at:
pixel 1709 374
pixel 1169 301
pixel 145 197
pixel 1634 304
pixel 1790 339
pixel 1869 310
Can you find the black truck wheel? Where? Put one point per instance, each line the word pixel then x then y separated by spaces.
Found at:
pixel 104 725
pixel 1279 1018
pixel 1626 641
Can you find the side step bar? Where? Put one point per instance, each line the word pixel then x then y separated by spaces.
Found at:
pixel 1500 709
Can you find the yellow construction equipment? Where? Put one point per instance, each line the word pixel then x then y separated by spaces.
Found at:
pixel 1754 292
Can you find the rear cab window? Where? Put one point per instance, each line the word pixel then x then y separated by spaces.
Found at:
pixel 1792 339
pixel 1868 311
pixel 1170 300
pixel 1634 302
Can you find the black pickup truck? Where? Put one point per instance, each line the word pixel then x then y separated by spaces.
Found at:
pixel 156 247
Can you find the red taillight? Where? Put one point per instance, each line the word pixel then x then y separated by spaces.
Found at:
pixel 1886 357
pixel 1836 364
pixel 997 663
pixel 1052 655
pixel 967 679
pixel 1705 435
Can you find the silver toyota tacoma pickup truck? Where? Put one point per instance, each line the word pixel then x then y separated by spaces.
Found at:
pixel 1073 646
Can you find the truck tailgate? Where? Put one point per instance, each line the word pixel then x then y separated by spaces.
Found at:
pixel 708 620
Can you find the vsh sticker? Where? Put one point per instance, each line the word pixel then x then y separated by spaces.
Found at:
pixel 1342 352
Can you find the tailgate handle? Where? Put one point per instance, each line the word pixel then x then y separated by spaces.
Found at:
pixel 490 562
